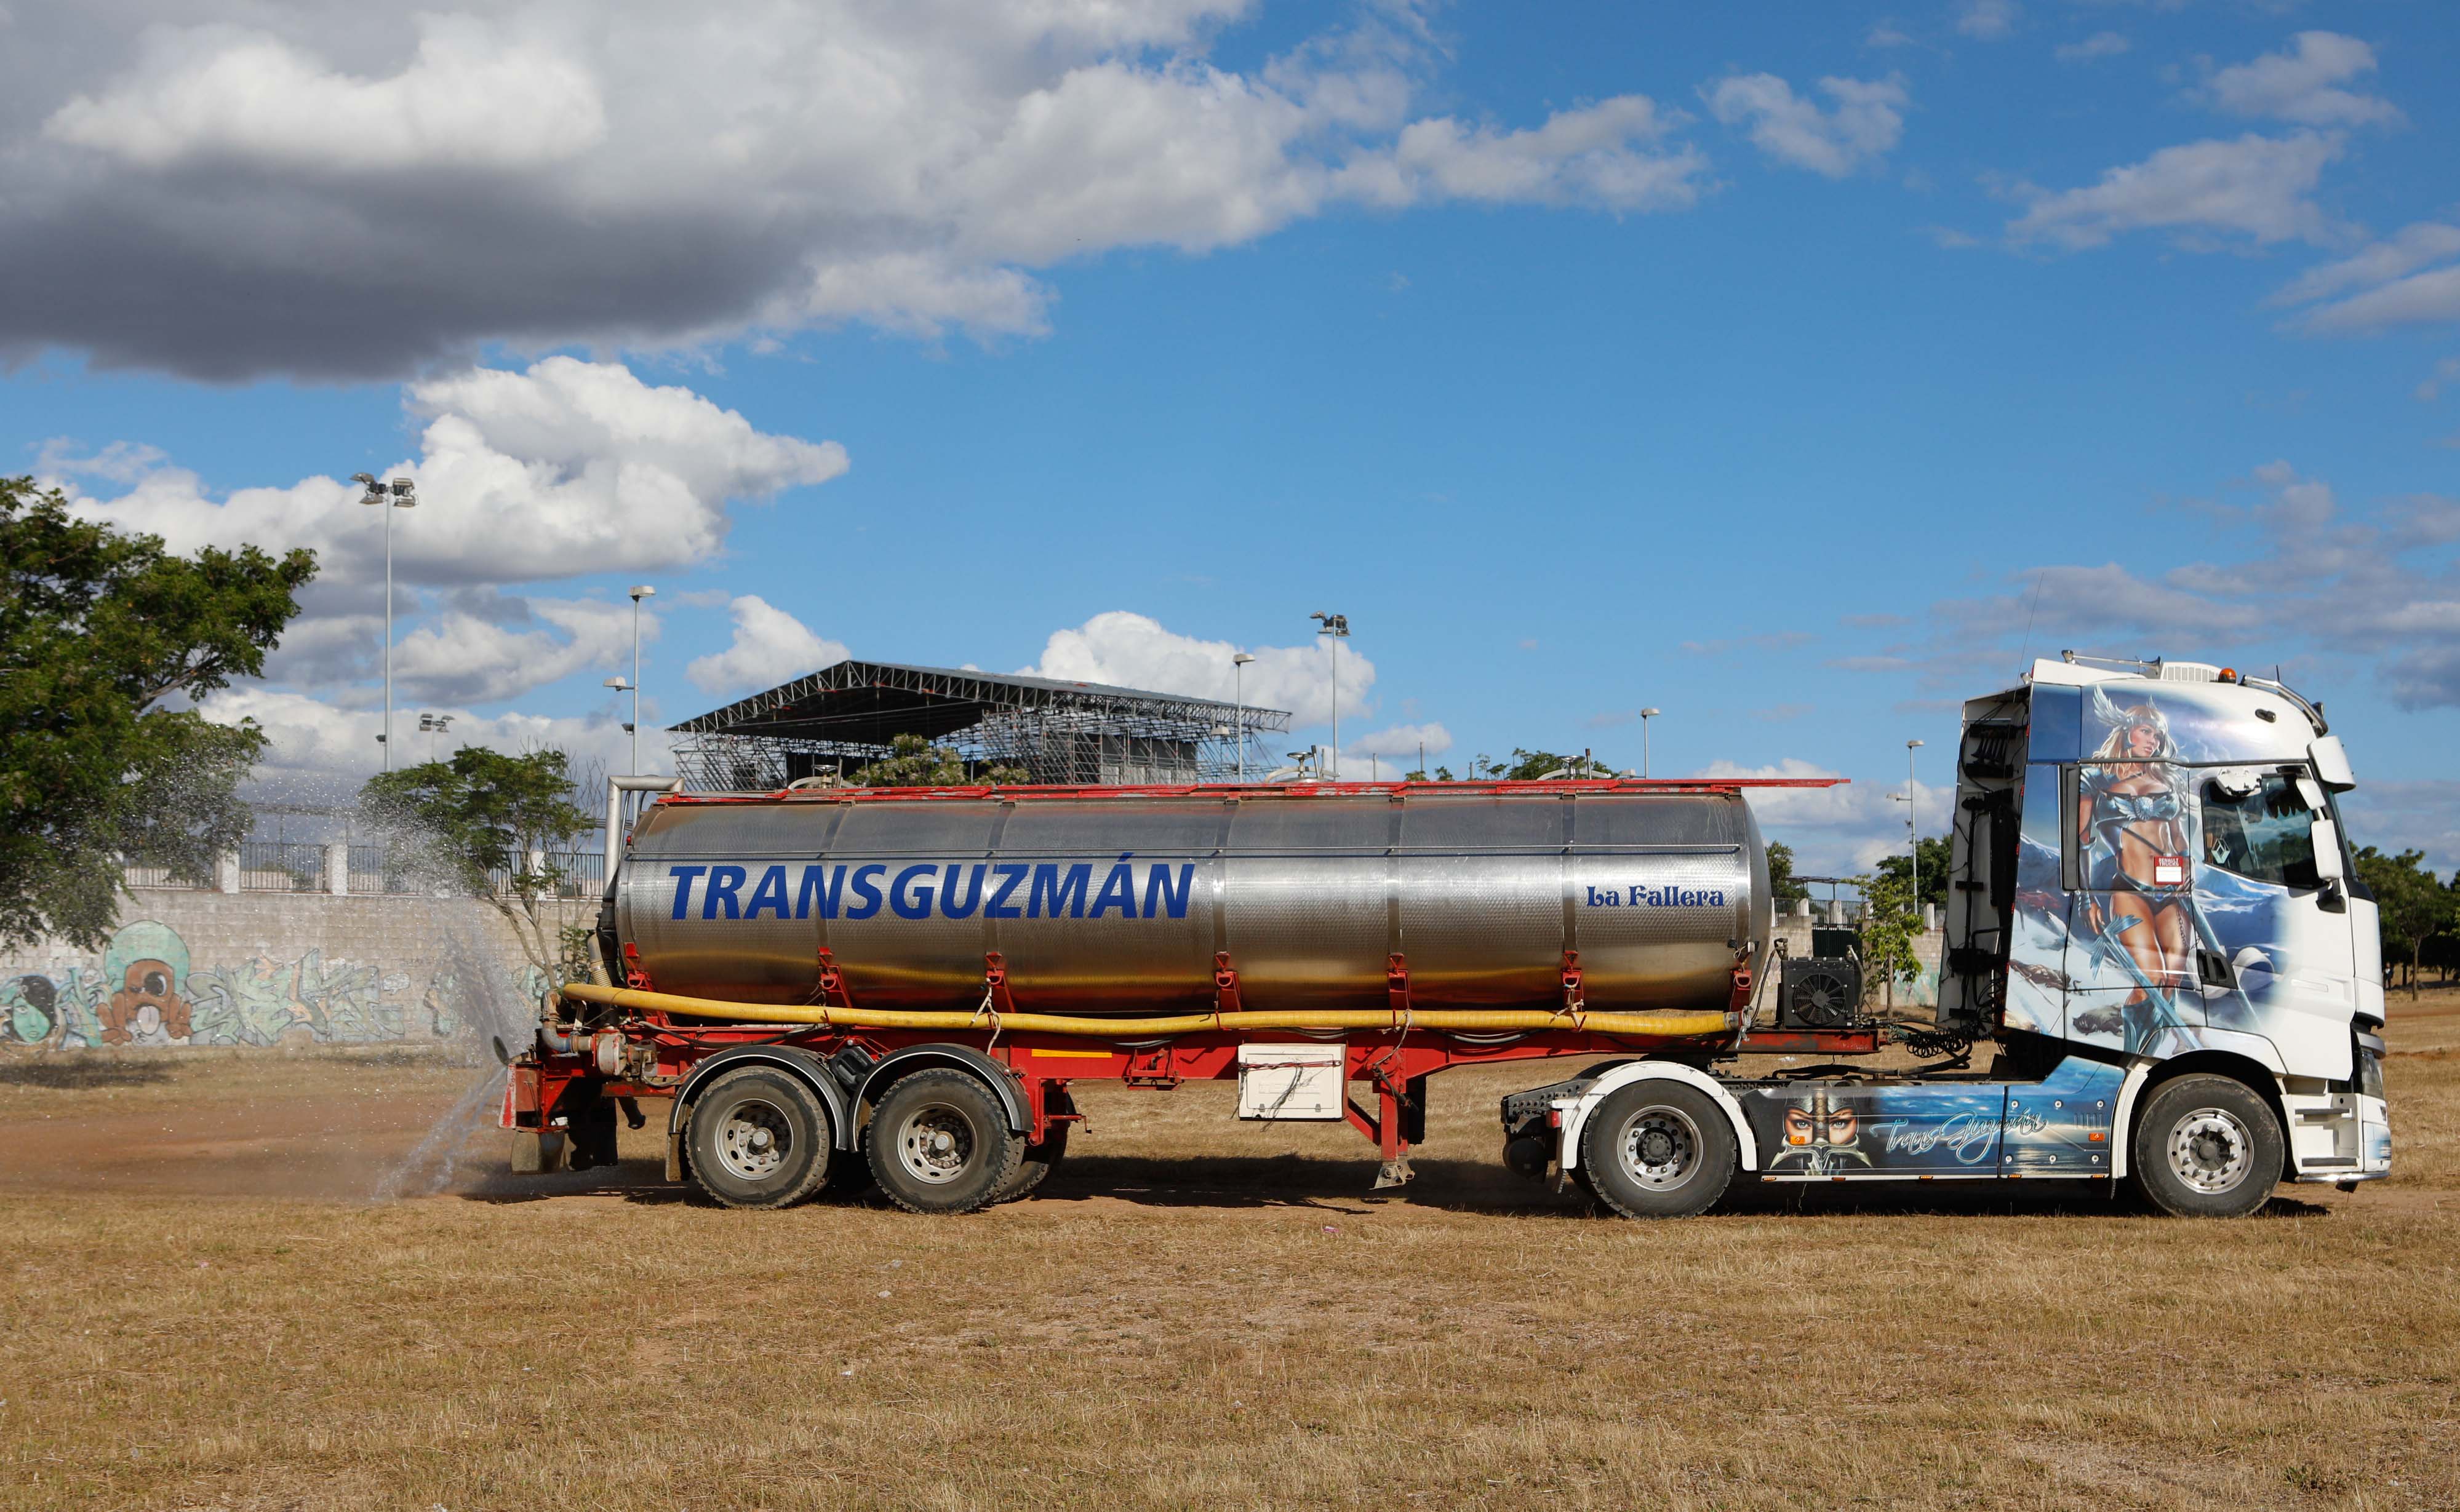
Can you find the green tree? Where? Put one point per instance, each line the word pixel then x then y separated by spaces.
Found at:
pixel 1781 887
pixel 1933 852
pixel 914 761
pixel 102 632
pixel 2414 904
pixel 1890 926
pixel 488 825
pixel 1526 766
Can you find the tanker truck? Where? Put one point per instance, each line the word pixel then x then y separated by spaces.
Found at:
pixel 2153 928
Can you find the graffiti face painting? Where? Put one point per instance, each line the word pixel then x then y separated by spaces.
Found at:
pixel 146 992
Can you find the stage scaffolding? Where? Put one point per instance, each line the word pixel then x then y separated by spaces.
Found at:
pixel 841 716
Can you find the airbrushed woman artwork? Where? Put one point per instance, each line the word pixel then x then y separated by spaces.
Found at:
pixel 2133 816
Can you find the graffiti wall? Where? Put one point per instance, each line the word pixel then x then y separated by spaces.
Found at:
pixel 243 971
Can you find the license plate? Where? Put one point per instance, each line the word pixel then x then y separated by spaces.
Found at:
pixel 2168 870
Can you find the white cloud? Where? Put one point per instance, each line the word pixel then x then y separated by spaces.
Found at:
pixel 119 462
pixel 2300 85
pixel 474 96
pixel 2430 389
pixel 770 646
pixel 1130 650
pixel 2389 288
pixel 2395 816
pixel 1402 743
pixel 2419 299
pixel 312 740
pixel 371 189
pixel 565 468
pixel 1599 155
pixel 2099 45
pixel 1988 20
pixel 2314 580
pixel 464 658
pixel 1864 123
pixel 1848 827
pixel 2411 248
pixel 2255 186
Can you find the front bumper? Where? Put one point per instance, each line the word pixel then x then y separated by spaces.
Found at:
pixel 2340 1137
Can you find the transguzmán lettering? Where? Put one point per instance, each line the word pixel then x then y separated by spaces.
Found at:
pixel 997 890
pixel 1640 895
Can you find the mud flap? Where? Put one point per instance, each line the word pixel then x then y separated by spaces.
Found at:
pixel 536 1153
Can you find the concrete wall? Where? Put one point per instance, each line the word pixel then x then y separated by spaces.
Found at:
pixel 192 967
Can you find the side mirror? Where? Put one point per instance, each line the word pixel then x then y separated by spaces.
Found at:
pixel 2327 851
pixel 2332 764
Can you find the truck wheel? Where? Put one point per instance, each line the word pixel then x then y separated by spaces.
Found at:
pixel 940 1143
pixel 759 1138
pixel 1033 1166
pixel 1659 1149
pixel 2205 1147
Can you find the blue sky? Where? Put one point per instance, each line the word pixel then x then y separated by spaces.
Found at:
pixel 1775 369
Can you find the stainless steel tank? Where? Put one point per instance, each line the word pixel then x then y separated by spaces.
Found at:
pixel 1115 903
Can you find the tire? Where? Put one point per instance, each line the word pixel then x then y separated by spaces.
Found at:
pixel 1034 1166
pixel 758 1139
pixel 940 1143
pixel 1657 1148
pixel 2205 1147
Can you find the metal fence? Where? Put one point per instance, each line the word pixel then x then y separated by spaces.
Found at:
pixel 281 865
pixel 579 874
pixel 378 869
pixel 298 866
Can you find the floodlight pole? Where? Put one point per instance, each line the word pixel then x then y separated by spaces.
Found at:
pixel 400 495
pixel 1646 715
pixel 1337 626
pixel 643 591
pixel 1238 693
pixel 1913 829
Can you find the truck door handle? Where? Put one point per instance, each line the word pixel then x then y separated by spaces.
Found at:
pixel 2212 969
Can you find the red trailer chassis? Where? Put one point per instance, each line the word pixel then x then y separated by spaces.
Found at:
pixel 653 1055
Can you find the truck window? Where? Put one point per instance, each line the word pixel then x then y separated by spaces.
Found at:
pixel 2265 835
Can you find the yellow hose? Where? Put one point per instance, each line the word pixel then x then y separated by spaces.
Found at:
pixel 1655 1026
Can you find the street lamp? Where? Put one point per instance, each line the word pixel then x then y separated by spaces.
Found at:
pixel 399 496
pixel 621 685
pixel 1646 715
pixel 639 593
pixel 1238 692
pixel 1336 626
pixel 433 725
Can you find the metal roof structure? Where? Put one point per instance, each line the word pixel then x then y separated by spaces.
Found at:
pixel 842 716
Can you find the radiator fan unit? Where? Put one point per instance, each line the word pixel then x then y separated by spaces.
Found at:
pixel 1820 992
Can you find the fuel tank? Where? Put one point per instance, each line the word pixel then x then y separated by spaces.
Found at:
pixel 1108 901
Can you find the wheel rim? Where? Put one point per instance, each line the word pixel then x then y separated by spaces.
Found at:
pixel 754 1141
pixel 1660 1146
pixel 935 1144
pixel 2211 1150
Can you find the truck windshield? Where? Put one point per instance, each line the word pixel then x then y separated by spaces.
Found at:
pixel 2265 835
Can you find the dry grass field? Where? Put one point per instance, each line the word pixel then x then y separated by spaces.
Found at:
pixel 203 1309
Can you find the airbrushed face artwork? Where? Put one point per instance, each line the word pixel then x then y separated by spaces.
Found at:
pixel 2059 1127
pixel 2167 890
